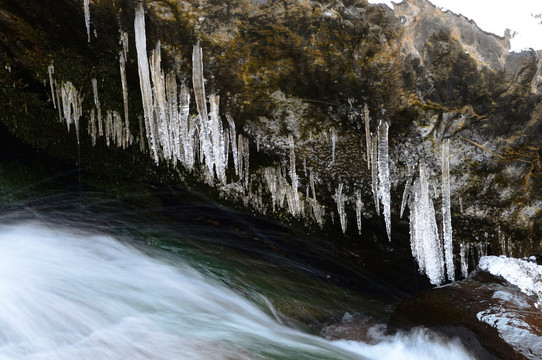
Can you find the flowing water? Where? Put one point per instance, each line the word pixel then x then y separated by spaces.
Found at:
pixel 85 276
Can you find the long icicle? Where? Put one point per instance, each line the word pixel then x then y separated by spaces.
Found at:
pixel 367 120
pixel 145 79
pixel 199 94
pixel 446 211
pixel 86 9
pixel 359 208
pixel 374 171
pixel 384 185
pixel 123 56
pixel 340 200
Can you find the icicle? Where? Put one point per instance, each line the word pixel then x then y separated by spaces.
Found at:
pixel 199 93
pixel 92 130
pixel 161 120
pixel 384 185
pixel 98 108
pixel 270 177
pixel 446 211
pixel 406 194
pixel 246 156
pixel 424 236
pixel 66 96
pixel 108 125
pixel 72 106
pixel 123 57
pixel 233 137
pixel 58 101
pixel 240 145
pixel 86 6
pixel 144 78
pixel 172 117
pixel 333 142
pixel 187 129
pixel 340 199
pixel 311 181
pixel 367 121
pixel 51 70
pixel 359 207
pixel 124 83
pixel 374 172
pixel 464 254
pixel 296 206
pixel 217 139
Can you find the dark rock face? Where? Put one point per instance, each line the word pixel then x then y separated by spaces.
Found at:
pixel 302 71
pixel 505 320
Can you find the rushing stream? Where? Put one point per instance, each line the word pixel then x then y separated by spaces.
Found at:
pixel 87 275
pixel 66 294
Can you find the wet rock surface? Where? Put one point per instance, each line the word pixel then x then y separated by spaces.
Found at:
pixel 505 320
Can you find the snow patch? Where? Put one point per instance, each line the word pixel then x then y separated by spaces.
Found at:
pixel 524 274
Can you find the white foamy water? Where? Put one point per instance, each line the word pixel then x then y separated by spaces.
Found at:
pixel 71 295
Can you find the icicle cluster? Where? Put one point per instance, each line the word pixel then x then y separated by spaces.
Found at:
pixel 378 163
pixel 72 106
pixel 424 236
pixel 112 127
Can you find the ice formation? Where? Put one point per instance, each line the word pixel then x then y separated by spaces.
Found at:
pixel 72 106
pixel 384 183
pixel 424 235
pixel 406 194
pixel 374 172
pixel 51 71
pixel 367 120
pixel 340 200
pixel 446 211
pixel 145 79
pixel 123 57
pixel 464 255
pixel 86 9
pixel 524 274
pixel 333 143
pixel 295 207
pixel 359 208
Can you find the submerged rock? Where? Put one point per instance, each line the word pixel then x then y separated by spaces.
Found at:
pixel 504 319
